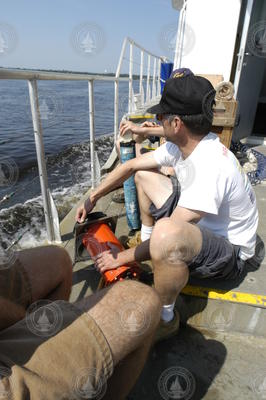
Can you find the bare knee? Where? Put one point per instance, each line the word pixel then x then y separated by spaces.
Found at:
pixel 140 176
pixel 142 297
pixel 168 243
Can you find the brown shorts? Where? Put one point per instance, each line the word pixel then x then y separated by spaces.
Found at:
pixel 15 285
pixel 15 293
pixel 57 352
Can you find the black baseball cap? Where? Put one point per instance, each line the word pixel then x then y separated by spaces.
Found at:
pixel 183 95
pixel 180 73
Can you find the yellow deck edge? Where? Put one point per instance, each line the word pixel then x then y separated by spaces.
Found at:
pixel 231 296
pixel 140 116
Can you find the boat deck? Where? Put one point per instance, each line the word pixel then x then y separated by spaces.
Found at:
pixel 221 348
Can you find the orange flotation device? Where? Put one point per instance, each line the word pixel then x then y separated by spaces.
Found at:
pixel 96 240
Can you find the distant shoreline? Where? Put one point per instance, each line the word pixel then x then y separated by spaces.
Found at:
pixel 69 71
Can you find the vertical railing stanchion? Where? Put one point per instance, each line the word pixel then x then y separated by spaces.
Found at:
pixel 148 79
pixel 116 94
pixel 130 84
pixel 159 77
pixel 37 126
pixel 141 77
pixel 153 79
pixel 92 135
pixel 116 110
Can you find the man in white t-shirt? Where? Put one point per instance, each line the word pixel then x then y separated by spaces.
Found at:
pixel 201 224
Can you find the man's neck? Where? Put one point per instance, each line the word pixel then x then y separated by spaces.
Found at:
pixel 188 143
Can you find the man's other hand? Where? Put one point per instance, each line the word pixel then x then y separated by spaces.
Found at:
pixel 83 210
pixel 109 259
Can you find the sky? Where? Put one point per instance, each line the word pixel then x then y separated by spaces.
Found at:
pixel 82 35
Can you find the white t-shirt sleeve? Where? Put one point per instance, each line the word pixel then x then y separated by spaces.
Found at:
pixel 167 154
pixel 206 191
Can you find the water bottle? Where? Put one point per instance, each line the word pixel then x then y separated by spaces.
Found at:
pixel 127 152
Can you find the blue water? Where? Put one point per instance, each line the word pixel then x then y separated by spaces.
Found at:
pixel 65 121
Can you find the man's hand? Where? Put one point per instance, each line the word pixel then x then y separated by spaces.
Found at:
pixel 83 210
pixel 108 259
pixel 126 126
pixel 144 130
pixel 148 124
pixel 115 258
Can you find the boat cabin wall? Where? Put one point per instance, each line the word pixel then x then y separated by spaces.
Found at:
pixel 209 36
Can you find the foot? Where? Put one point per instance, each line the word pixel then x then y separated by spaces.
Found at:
pixel 166 330
pixel 135 240
pixel 118 196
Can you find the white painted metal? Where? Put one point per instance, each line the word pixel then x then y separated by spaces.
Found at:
pixel 141 76
pixel 116 110
pixel 122 54
pixel 116 90
pixel 92 135
pixel 143 51
pixel 141 48
pixel 179 37
pixel 97 169
pixel 130 83
pixel 37 126
pixel 159 78
pixel 153 95
pixel 55 219
pixel 6 73
pixel 148 80
pixel 209 35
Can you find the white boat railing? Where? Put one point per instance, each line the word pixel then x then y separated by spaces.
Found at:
pixel 146 95
pixel 33 76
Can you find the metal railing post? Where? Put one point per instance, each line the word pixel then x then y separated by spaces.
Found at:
pixel 130 85
pixel 141 76
pixel 153 79
pixel 116 94
pixel 180 37
pixel 37 126
pixel 148 79
pixel 159 77
pixel 92 135
pixel 116 110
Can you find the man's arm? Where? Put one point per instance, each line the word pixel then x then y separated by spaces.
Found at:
pixel 186 215
pixel 115 179
pixel 111 259
pixel 145 130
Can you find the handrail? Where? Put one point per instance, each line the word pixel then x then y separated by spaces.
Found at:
pixel 150 94
pixel 32 76
pixel 6 73
pixel 142 48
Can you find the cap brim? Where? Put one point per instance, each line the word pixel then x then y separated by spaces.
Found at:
pixel 157 109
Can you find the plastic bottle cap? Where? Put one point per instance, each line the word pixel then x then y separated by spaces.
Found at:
pixel 128 137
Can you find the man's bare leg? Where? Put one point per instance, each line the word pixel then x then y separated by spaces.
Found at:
pixel 172 246
pixel 129 349
pixel 49 269
pixel 152 187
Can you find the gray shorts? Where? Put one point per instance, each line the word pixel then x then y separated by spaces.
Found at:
pixel 218 258
pixel 168 207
